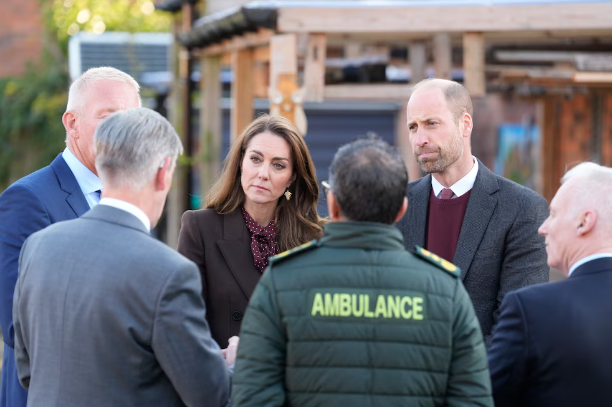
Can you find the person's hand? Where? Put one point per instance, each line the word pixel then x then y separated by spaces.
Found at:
pixel 229 353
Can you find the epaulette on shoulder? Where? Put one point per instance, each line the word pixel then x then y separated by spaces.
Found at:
pixel 288 253
pixel 445 265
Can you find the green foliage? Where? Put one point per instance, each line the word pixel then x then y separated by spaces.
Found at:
pixel 67 17
pixel 31 108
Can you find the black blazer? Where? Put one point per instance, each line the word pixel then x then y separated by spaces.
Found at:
pixel 499 249
pixel 553 344
pixel 221 247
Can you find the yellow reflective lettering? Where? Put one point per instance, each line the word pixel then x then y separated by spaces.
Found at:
pixel 406 313
pixel 331 305
pixel 417 308
pixel 357 312
pixel 381 307
pixel 317 305
pixel 345 305
pixel 366 307
pixel 393 306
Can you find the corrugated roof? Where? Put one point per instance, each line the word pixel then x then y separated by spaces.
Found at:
pixel 169 5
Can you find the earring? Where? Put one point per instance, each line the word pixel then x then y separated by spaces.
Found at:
pixel 287 194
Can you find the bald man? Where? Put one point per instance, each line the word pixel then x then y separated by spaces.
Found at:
pixel 553 342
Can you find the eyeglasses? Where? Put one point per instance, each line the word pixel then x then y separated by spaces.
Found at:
pixel 326 187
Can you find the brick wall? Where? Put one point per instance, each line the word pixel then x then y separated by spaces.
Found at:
pixel 20 35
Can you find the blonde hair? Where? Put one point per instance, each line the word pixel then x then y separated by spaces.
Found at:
pixel 297 220
pixel 93 75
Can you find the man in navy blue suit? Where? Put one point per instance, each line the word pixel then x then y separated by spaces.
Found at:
pixel 553 344
pixel 64 190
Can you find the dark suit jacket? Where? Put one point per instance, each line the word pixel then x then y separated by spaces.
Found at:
pixel 221 247
pixel 49 195
pixel 499 249
pixel 106 315
pixel 553 342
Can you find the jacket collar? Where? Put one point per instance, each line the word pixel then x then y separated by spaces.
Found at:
pixel 117 216
pixel 592 267
pixel 68 183
pixel 236 250
pixel 362 235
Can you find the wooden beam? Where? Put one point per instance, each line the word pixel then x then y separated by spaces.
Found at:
pixel 261 54
pixel 474 63
pixel 248 40
pixel 210 123
pixel 442 55
pixel 417 52
pixel 314 69
pixel 367 92
pixel 242 92
pixel 457 18
pixel 283 56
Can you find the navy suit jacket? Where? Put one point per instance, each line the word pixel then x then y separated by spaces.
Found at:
pixel 46 196
pixel 553 344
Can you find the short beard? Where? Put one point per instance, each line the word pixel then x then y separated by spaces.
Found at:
pixel 447 155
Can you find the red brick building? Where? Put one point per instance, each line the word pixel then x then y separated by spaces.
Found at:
pixel 21 35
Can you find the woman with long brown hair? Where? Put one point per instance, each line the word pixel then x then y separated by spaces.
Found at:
pixel 264 202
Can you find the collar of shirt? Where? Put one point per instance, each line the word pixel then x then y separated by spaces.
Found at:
pixel 128 207
pixel 460 187
pixel 586 260
pixel 88 181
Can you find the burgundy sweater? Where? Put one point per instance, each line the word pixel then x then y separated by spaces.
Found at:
pixel 444 219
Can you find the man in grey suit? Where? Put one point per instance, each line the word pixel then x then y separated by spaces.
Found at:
pixel 105 314
pixel 463 212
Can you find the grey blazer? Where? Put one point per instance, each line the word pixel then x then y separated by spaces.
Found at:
pixel 499 249
pixel 105 315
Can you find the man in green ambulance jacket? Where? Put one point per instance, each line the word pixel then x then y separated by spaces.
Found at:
pixel 355 320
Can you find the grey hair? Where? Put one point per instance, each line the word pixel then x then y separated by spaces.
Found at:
pixel 593 184
pixel 93 75
pixel 131 146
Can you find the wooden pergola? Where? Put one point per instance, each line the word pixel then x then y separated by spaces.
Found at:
pixel 265 39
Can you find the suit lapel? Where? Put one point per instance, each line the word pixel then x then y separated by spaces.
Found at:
pixel 478 213
pixel 236 249
pixel 416 221
pixel 68 183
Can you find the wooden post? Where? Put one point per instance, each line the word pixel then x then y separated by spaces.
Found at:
pixel 418 61
pixel 242 91
pixel 180 111
pixel 474 63
pixel 210 123
pixel 314 69
pixel 442 55
pixel 402 141
pixel 283 57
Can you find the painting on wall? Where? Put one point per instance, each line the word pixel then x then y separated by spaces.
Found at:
pixel 517 152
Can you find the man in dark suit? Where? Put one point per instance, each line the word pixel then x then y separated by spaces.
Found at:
pixel 552 345
pixel 64 190
pixel 464 213
pixel 105 314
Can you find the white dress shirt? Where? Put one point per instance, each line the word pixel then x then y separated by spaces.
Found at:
pixel 128 207
pixel 460 187
pixel 87 180
pixel 586 260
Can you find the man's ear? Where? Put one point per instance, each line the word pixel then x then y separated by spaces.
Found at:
pixel 402 210
pixel 161 178
pixel 466 125
pixel 587 223
pixel 335 214
pixel 69 119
